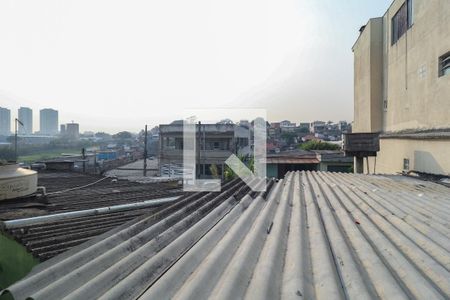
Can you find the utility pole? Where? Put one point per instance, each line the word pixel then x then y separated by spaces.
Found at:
pixel 15 137
pixel 198 147
pixel 83 156
pixel 145 152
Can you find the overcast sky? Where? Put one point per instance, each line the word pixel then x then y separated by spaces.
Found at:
pixel 117 65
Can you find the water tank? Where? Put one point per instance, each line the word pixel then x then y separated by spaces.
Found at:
pixel 16 182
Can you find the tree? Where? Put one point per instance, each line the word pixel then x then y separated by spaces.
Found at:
pixel 229 174
pixel 7 154
pixel 123 135
pixel 214 171
pixel 289 137
pixel 11 139
pixel 303 130
pixel 103 135
pixel 318 145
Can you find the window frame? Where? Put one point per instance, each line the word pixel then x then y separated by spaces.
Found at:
pixel 410 13
pixel 408 7
pixel 406 166
pixel 444 58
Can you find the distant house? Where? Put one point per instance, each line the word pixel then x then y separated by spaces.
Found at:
pixel 214 144
pixel 309 137
pixel 300 160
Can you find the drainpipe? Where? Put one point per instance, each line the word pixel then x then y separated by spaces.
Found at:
pixel 82 213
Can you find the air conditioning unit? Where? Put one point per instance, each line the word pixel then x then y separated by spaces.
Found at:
pixel 361 144
pixel 16 182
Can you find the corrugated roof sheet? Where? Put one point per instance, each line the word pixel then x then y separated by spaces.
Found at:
pixel 48 239
pixel 316 235
pixel 97 191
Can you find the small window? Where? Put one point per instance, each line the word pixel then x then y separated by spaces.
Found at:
pixel 406 164
pixel 402 20
pixel 385 105
pixel 444 64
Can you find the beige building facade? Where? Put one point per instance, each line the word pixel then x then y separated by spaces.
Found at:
pixel 402 86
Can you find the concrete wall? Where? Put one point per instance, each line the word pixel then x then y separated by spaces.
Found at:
pixel 416 97
pixel 428 156
pixel 368 78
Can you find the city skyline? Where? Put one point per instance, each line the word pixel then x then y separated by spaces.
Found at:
pixel 276 56
pixel 56 127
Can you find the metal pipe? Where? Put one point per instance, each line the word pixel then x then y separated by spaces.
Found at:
pixel 16 122
pixel 11 224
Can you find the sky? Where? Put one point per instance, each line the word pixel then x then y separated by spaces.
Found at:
pixel 118 65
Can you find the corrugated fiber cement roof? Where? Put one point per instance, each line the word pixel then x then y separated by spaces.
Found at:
pixel 316 235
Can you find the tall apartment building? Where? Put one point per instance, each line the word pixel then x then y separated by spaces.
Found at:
pixel 402 86
pixel 5 121
pixel 73 130
pixel 48 120
pixel 62 129
pixel 26 117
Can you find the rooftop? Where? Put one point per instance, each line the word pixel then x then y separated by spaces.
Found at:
pixel 70 192
pixel 314 235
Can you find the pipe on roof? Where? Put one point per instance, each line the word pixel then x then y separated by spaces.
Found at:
pixel 11 224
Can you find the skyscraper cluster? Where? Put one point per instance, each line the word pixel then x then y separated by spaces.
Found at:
pixel 48 121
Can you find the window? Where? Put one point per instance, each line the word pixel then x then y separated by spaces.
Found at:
pixel 169 143
pixel 409 4
pixel 179 143
pixel 402 20
pixel 444 64
pixel 406 164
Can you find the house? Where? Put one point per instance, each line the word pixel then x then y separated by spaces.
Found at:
pixel 214 145
pixel 279 164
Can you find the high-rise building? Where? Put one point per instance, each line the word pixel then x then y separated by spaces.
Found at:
pixel 62 129
pixel 26 117
pixel 5 121
pixel 48 121
pixel 73 130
